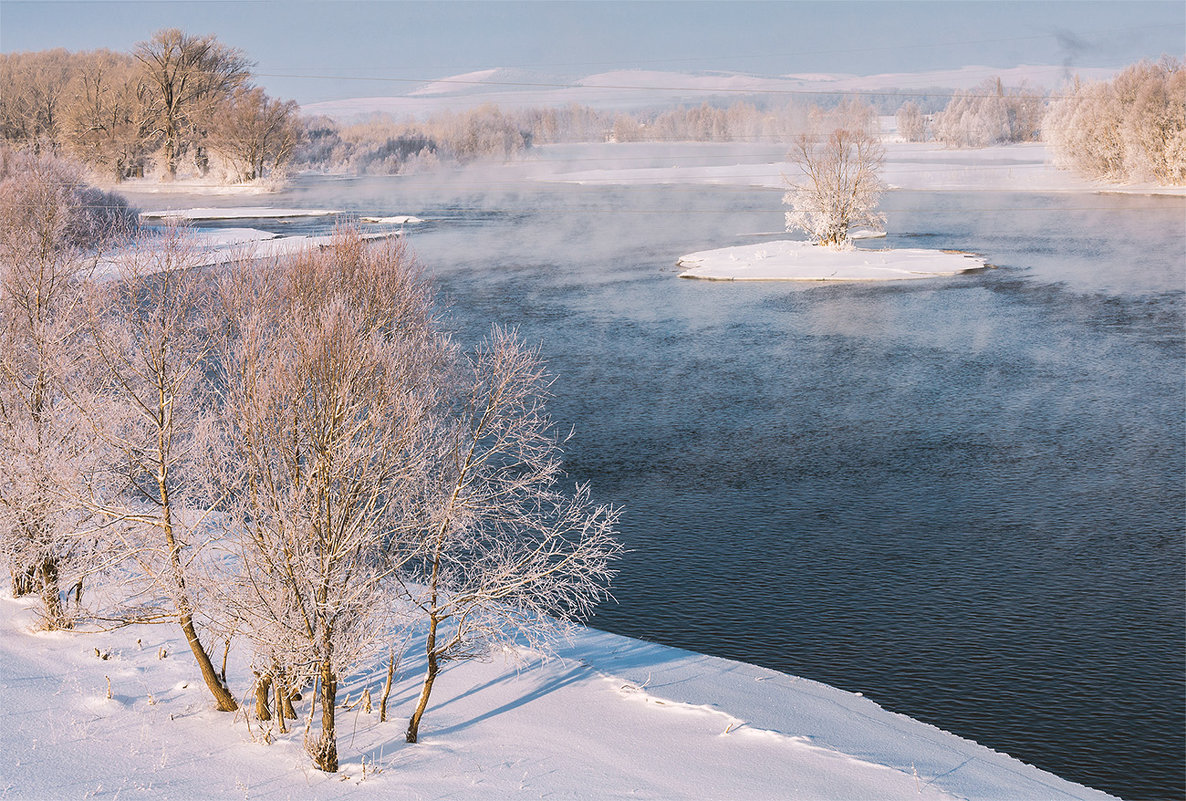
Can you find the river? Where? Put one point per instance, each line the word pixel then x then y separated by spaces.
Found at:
pixel 962 497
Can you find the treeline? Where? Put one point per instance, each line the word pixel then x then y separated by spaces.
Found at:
pixel 1132 128
pixel 988 114
pixel 383 145
pixel 293 458
pixel 176 103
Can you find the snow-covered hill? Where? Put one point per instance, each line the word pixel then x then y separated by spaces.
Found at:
pixel 628 89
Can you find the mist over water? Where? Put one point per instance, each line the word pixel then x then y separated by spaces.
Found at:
pixel 962 497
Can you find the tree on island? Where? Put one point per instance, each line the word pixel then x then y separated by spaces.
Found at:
pixel 839 159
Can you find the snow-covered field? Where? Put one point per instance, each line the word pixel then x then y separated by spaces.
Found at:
pixel 609 717
pixel 787 260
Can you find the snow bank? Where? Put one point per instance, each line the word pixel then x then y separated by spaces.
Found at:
pixel 612 717
pixel 241 213
pixel 787 260
pixel 217 246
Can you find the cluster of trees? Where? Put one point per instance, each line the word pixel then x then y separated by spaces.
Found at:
pixel 381 145
pixel 739 122
pixel 177 101
pixel 912 123
pixel 1127 129
pixel 838 188
pixel 990 114
pixel 293 456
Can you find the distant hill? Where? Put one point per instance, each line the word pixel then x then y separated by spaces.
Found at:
pixel 633 89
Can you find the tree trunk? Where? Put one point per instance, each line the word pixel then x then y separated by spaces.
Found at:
pixel 281 694
pixel 51 598
pixel 429 677
pixel 263 686
pixel 387 687
pixel 325 752
pixel 223 700
pixel 24 582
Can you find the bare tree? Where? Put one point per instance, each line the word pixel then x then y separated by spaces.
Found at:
pixel 50 228
pixel 147 412
pixel 255 134
pixel 839 187
pixel 35 92
pixel 188 74
pixel 329 369
pixel 507 553
pixel 109 123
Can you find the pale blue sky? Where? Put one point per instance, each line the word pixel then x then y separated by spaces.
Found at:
pixel 405 40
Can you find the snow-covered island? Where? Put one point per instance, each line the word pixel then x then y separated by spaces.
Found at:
pixel 125 714
pixel 790 260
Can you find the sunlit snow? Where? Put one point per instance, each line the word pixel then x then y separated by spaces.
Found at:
pixel 788 260
pixel 611 717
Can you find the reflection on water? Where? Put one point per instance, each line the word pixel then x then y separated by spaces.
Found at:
pixel 962 497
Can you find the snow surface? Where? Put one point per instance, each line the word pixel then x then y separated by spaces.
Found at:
pixel 790 260
pixel 217 246
pixel 611 717
pixel 236 213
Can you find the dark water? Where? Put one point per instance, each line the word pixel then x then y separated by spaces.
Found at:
pixel 963 497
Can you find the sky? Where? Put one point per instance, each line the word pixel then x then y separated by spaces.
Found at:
pixel 316 51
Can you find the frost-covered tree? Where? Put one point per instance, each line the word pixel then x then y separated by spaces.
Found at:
pixel 989 114
pixel 508 552
pixel 35 89
pixel 109 122
pixel 912 123
pixel 146 412
pixel 51 225
pixel 1131 128
pixel 331 371
pixel 254 133
pixel 189 75
pixel 838 187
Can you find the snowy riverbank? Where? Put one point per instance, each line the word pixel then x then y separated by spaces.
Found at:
pixel 612 717
pixel 789 260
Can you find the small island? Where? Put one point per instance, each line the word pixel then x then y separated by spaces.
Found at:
pixel 790 260
pixel 838 189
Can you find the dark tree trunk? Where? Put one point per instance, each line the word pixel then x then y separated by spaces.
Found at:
pixel 281 695
pixel 51 597
pixel 24 582
pixel 325 752
pixel 222 696
pixel 263 686
pixel 430 676
pixel 387 687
